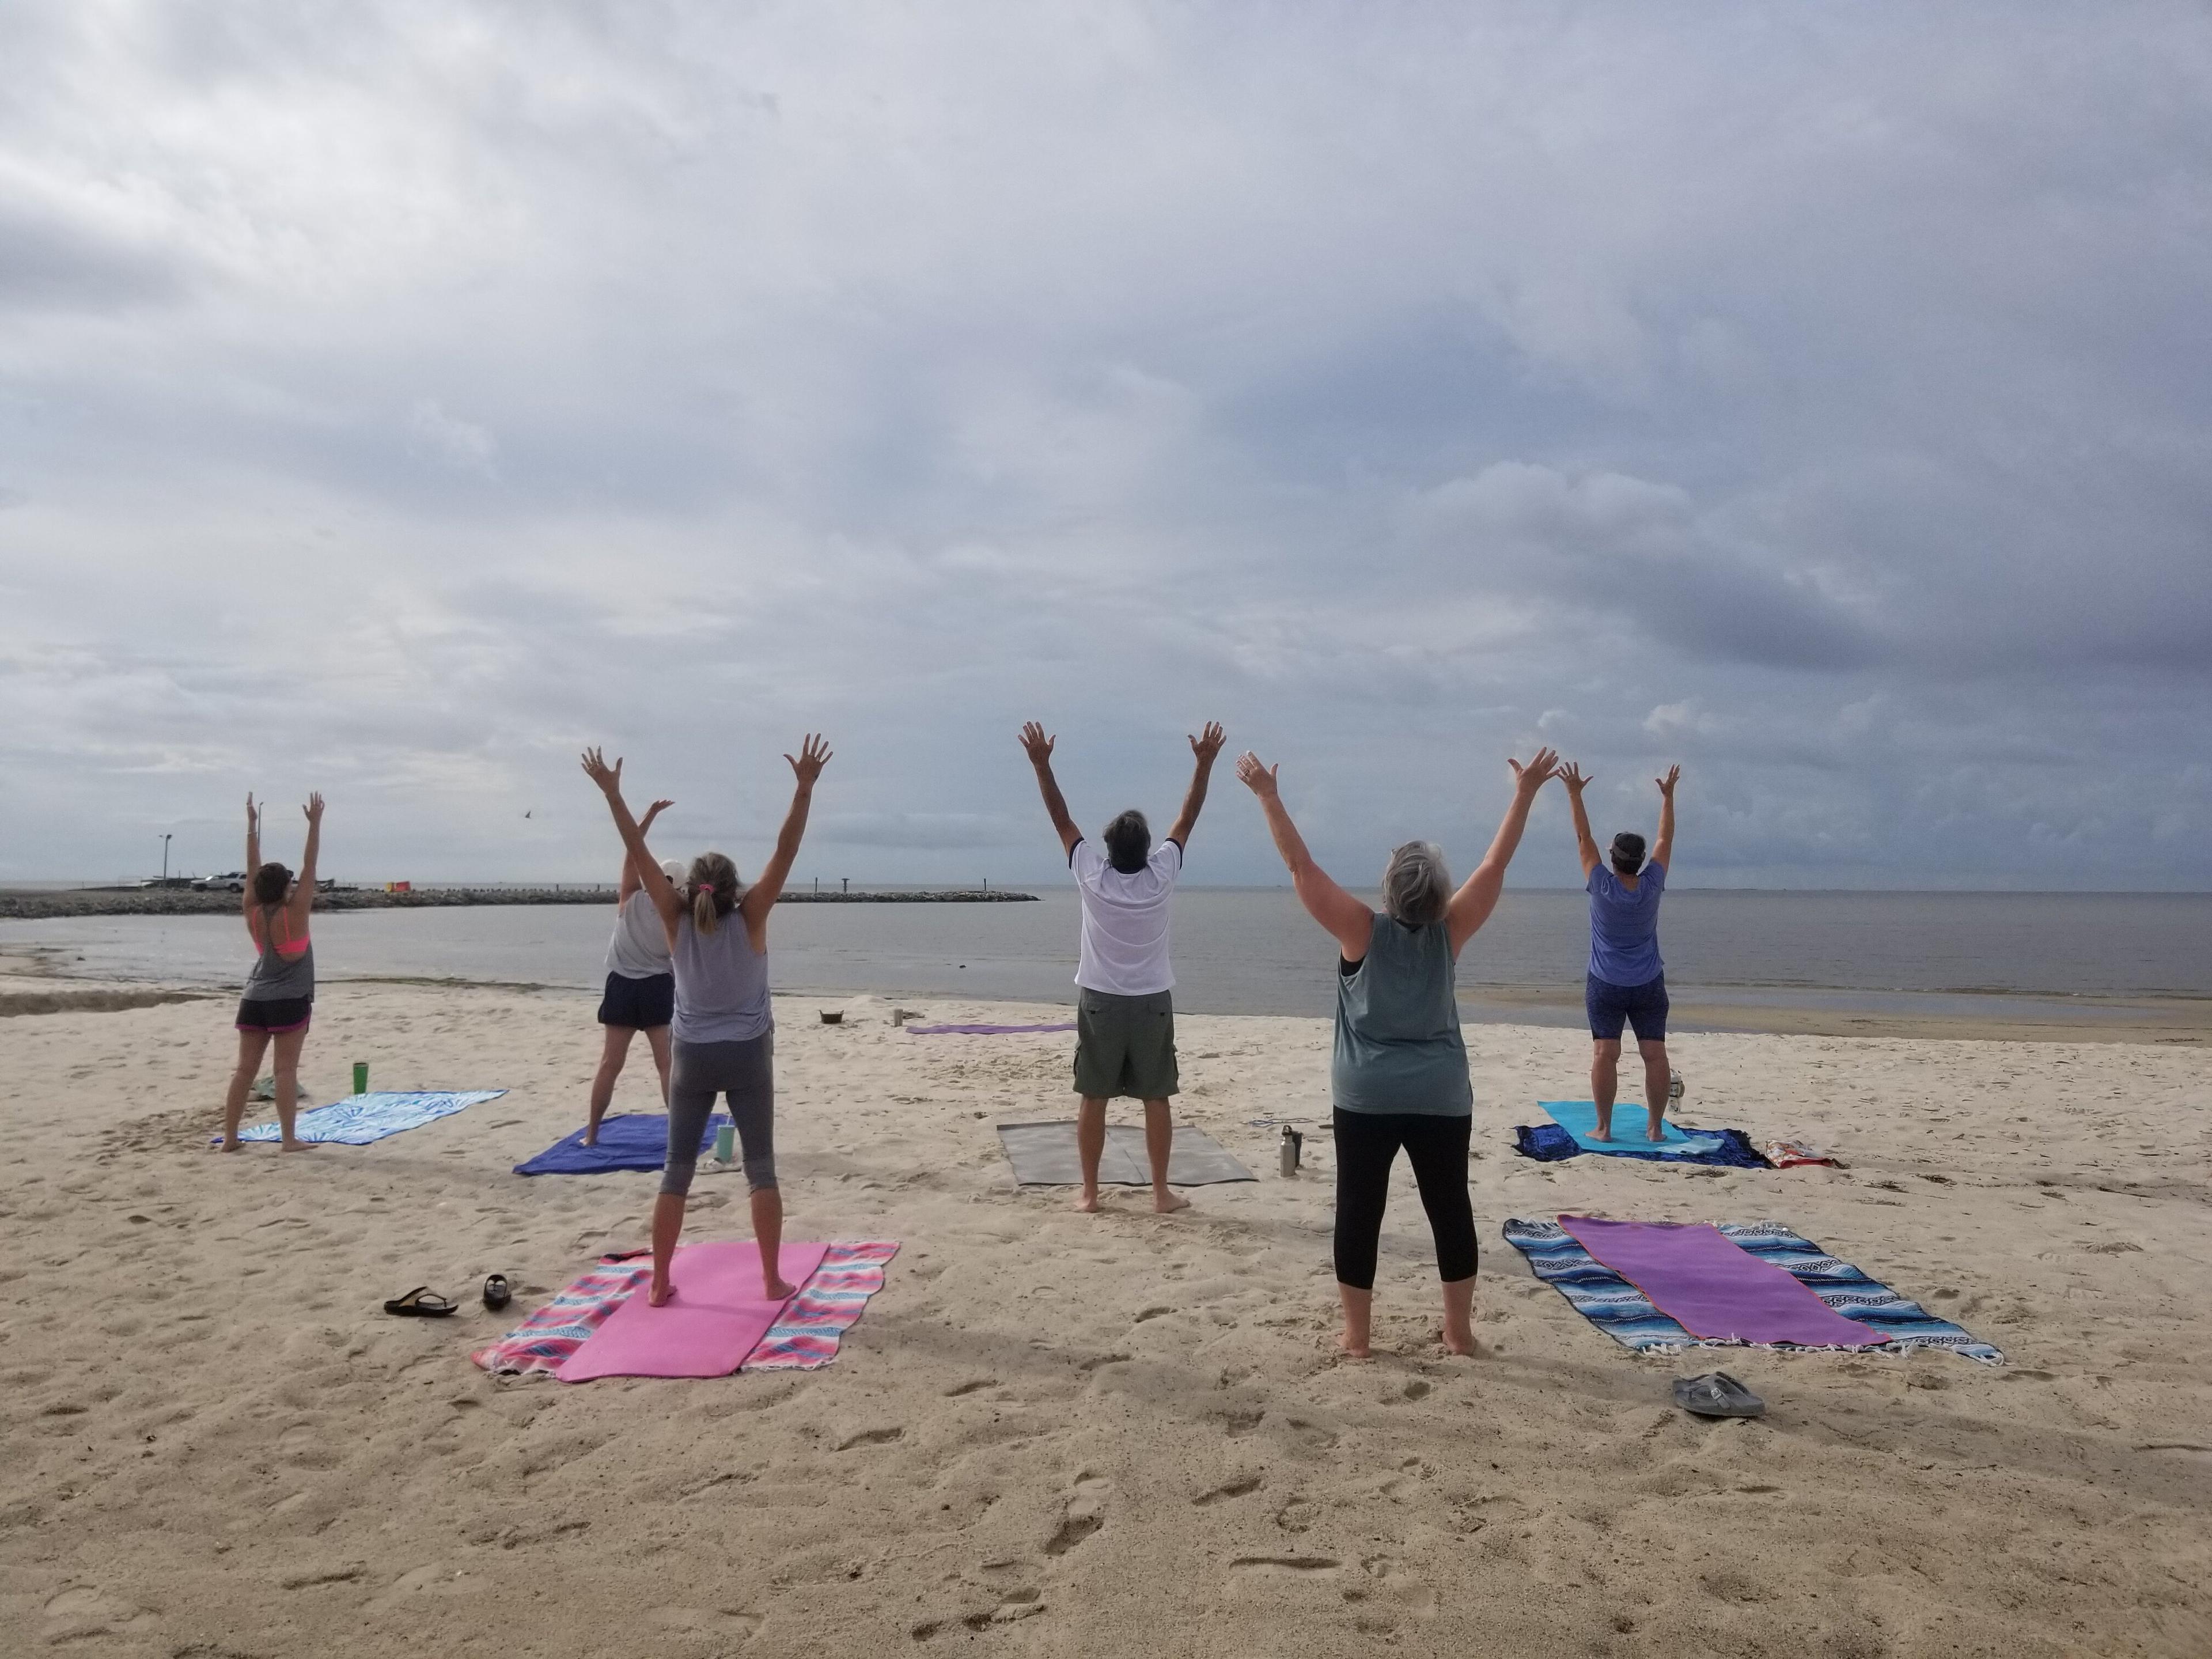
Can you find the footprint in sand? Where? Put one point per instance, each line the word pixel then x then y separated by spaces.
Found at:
pixel 706 1621
pixel 1083 1516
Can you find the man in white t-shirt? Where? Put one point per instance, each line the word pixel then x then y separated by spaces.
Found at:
pixel 1125 1006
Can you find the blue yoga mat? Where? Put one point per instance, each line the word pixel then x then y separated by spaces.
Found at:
pixel 1579 1119
pixel 632 1140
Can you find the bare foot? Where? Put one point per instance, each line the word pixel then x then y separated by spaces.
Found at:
pixel 662 1293
pixel 1459 1342
pixel 298 1145
pixel 1088 1204
pixel 590 1136
pixel 1655 1134
pixel 1168 1203
pixel 1344 1346
pixel 777 1290
pixel 1601 1134
pixel 231 1145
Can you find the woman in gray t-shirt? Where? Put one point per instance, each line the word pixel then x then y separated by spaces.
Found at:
pixel 1398 1076
pixel 723 1032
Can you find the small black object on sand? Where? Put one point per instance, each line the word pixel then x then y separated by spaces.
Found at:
pixel 421 1303
pixel 1716 1394
pixel 496 1295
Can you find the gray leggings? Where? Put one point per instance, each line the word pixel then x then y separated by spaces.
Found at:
pixel 745 1072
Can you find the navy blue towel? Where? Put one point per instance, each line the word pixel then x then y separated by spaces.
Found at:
pixel 635 1140
pixel 1548 1143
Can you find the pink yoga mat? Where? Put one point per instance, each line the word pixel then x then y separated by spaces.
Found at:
pixel 717 1317
pixel 1712 1287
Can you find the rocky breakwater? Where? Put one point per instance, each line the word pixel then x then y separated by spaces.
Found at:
pixel 35 906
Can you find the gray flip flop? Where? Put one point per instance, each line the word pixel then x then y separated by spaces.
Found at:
pixel 1716 1394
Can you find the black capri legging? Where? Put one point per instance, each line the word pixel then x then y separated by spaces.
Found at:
pixel 1367 1144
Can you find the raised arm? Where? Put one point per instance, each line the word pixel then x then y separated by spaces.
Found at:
pixel 629 883
pixel 1585 843
pixel 609 779
pixel 1206 746
pixel 1478 895
pixel 1348 921
pixel 303 889
pixel 1662 850
pixel 1039 747
pixel 760 898
pixel 246 903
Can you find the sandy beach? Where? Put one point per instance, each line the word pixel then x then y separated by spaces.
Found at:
pixel 1054 1434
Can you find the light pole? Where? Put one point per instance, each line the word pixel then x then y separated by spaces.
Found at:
pixel 164 860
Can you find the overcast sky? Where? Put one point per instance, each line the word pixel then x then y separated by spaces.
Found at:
pixel 395 398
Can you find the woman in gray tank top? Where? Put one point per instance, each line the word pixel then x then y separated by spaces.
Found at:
pixel 724 1030
pixel 1398 1076
pixel 279 997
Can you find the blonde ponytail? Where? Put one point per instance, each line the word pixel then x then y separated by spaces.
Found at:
pixel 714 890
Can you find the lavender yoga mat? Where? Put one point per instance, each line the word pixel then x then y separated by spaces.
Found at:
pixel 983 1031
pixel 717 1317
pixel 1712 1288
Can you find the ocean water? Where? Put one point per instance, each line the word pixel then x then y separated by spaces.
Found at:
pixel 1255 950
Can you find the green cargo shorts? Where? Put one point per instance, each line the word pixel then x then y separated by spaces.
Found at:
pixel 1125 1045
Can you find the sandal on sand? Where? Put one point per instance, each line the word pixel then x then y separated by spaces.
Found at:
pixel 495 1292
pixel 1716 1394
pixel 421 1302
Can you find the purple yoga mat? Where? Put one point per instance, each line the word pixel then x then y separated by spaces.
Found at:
pixel 983 1030
pixel 1712 1287
pixel 717 1317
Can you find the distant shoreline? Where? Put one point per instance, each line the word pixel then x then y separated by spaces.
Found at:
pixel 18 904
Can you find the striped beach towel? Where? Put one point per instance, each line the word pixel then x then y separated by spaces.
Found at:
pixel 804 1339
pixel 556 1330
pixel 815 1320
pixel 1625 1313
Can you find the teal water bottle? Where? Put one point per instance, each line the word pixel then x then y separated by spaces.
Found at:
pixel 726 1143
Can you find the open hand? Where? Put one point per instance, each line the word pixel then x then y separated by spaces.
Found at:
pixel 1539 770
pixel 1260 779
pixel 253 819
pixel 1667 784
pixel 1207 744
pixel 609 778
pixel 1039 746
pixel 654 812
pixel 1571 774
pixel 813 755
pixel 313 809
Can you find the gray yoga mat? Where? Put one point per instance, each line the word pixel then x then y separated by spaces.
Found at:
pixel 1044 1155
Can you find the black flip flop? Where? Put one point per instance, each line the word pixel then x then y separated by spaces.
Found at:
pixel 495 1292
pixel 1716 1394
pixel 422 1303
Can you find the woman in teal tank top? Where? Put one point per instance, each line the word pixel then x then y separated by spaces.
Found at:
pixel 1398 1076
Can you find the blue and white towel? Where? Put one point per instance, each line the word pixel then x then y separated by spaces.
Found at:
pixel 359 1119
pixel 1626 1314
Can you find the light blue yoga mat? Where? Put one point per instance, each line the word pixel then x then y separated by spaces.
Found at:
pixel 359 1119
pixel 1579 1118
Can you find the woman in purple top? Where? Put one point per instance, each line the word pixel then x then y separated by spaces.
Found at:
pixel 1627 982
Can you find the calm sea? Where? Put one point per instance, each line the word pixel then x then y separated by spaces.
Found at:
pixel 1254 951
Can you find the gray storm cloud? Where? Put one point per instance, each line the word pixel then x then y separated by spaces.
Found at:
pixel 395 399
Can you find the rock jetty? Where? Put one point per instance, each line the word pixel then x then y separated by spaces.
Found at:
pixel 37 906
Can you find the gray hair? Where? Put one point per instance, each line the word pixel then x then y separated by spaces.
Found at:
pixel 1416 886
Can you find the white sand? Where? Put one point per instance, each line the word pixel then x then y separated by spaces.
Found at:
pixel 1054 1434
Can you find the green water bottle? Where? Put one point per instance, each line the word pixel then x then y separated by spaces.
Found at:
pixel 361 1077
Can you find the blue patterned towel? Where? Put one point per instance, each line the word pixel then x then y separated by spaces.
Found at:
pixel 1548 1143
pixel 359 1119
pixel 1625 1313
